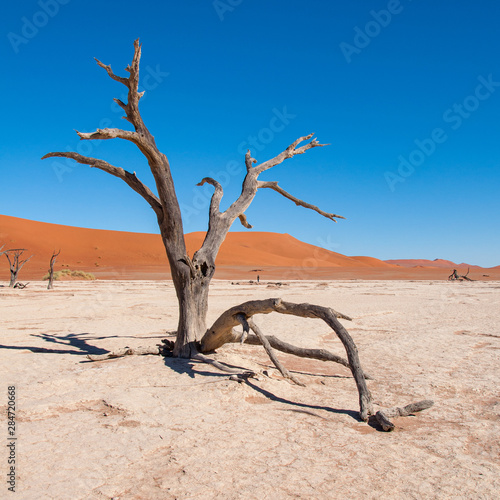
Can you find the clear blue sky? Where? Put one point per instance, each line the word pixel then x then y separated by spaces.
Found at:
pixel 407 93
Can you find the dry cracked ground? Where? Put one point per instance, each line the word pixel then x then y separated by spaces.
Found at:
pixel 147 427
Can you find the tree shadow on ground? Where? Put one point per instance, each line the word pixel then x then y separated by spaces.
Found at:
pixel 77 341
pixel 268 366
pixel 188 367
pixel 269 395
pixel 374 424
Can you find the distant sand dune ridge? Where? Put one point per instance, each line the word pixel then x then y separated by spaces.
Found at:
pixel 125 255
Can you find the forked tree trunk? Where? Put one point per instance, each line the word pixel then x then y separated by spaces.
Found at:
pixel 191 277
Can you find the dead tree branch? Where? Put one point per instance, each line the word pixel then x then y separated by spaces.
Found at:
pixel 130 178
pixel 301 352
pixel 454 276
pixel 221 332
pixel 126 351
pixel 244 221
pixel 247 324
pixel 220 222
pixel 161 349
pixel 222 367
pixel 216 197
pixel 165 204
pixel 20 285
pixel 274 186
pixel 289 152
pixel 383 416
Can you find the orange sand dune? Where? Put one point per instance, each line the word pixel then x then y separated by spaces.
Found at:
pixel 448 264
pixel 124 255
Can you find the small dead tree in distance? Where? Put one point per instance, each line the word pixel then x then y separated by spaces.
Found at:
pixel 454 276
pixel 15 264
pixel 192 275
pixel 51 269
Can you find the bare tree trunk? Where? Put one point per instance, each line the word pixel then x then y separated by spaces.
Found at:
pixel 13 277
pixel 53 259
pixel 191 278
pixel 193 307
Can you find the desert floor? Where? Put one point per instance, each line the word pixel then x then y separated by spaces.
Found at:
pixel 147 427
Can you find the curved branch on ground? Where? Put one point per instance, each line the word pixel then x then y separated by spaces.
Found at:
pixel 383 416
pixel 126 351
pixel 249 323
pixel 222 367
pixel 221 332
pixel 301 352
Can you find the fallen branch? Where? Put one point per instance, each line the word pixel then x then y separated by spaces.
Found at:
pixel 302 352
pixel 222 367
pixel 383 416
pixel 20 285
pixel 454 276
pixel 221 332
pixel 249 323
pixel 163 349
pixel 127 351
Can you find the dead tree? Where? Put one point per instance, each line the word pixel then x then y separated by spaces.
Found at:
pixel 20 285
pixel 191 275
pixel 454 276
pixel 15 263
pixel 51 269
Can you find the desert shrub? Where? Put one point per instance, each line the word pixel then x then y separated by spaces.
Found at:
pixel 68 273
